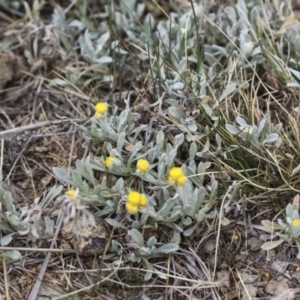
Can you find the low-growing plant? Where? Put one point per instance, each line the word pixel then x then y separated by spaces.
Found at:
pixel 136 176
pixel 288 231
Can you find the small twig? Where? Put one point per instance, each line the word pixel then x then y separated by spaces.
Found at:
pixel 91 282
pixel 5 279
pixel 221 214
pixel 1 161
pixel 11 11
pixel 11 124
pixel 168 278
pixel 38 249
pixel 244 285
pixel 34 126
pixel 35 290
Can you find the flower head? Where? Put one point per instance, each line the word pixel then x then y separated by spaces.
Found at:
pixel 36 220
pixel 134 198
pixel 136 201
pixel 72 194
pixel 142 166
pixel 132 209
pixel 296 223
pixel 182 180
pixel 100 109
pixel 75 211
pixel 109 161
pixel 143 202
pixel 176 175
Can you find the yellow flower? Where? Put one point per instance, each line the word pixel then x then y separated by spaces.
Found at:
pixel 109 161
pixel 100 108
pixel 132 209
pixel 134 198
pixel 142 166
pixel 143 202
pixel 296 223
pixel 182 180
pixel 136 201
pixel 176 175
pixel 72 194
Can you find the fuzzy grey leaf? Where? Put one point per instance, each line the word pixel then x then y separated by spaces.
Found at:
pixel 137 237
pixel 177 86
pixel 271 245
pixel 271 138
pixel 167 248
pixel 62 175
pixel 115 223
pixel 14 255
pixel 232 129
pixel 4 241
pixel 231 88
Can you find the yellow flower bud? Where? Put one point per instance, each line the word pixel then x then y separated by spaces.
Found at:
pixel 72 194
pixel 100 109
pixel 296 223
pixel 176 175
pixel 134 198
pixel 132 209
pixel 142 166
pixel 109 161
pixel 143 202
pixel 182 180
